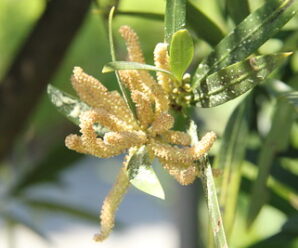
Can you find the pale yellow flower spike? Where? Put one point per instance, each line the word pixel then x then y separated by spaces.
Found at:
pixel 183 176
pixel 143 107
pixel 74 142
pixel 177 137
pixel 111 204
pixel 161 60
pixel 203 146
pixel 134 49
pixel 162 123
pixel 136 55
pixel 92 144
pixel 91 91
pixel 125 139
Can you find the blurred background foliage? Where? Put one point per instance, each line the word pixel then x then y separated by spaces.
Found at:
pixel 267 205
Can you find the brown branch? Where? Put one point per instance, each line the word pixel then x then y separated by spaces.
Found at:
pixel 35 64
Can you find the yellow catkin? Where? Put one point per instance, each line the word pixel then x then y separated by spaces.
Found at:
pixel 135 54
pixel 161 60
pixel 169 153
pixel 203 145
pixel 111 204
pixel 162 123
pixel 134 50
pixel 177 137
pixel 143 107
pixel 74 142
pixel 125 139
pixel 92 144
pixel 91 91
pixel 183 176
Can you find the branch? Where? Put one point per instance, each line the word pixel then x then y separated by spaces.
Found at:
pixel 35 65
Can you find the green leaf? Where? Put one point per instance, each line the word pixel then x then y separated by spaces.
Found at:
pixel 247 37
pixel 126 65
pixel 287 237
pixel 123 89
pixel 276 141
pixel 55 206
pixel 210 192
pixel 202 25
pixel 238 10
pixel 181 53
pixel 174 17
pixel 45 170
pixel 142 175
pixel 234 80
pixel 71 107
pixel 275 200
pixel 292 98
pixel 230 158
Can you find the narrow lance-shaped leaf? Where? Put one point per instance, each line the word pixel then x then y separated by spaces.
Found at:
pixel 216 221
pixel 57 206
pixel 202 25
pixel 141 174
pixel 181 53
pixel 247 37
pixel 229 161
pixel 127 65
pixel 236 79
pixel 238 10
pixel 175 15
pixel 124 91
pixel 17 218
pixel 71 107
pixel 276 141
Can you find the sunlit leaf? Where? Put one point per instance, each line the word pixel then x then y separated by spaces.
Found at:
pixel 236 79
pixel 126 65
pixel 276 141
pixel 247 37
pixel 238 10
pixel 202 25
pixel 181 53
pixel 230 158
pixel 142 175
pixel 71 107
pixel 174 17
pixel 210 192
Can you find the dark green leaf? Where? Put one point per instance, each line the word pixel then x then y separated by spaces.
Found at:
pixel 139 14
pixel 55 206
pixel 236 79
pixel 181 53
pixel 275 199
pixel 71 107
pixel 287 237
pixel 123 89
pixel 247 37
pixel 276 141
pixel 126 65
pixel 142 175
pixel 202 25
pixel 292 98
pixel 16 218
pixel 210 192
pixel 238 10
pixel 230 159
pixel 174 17
pixel 46 170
